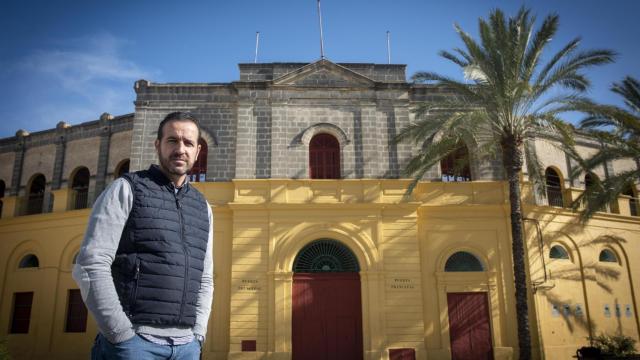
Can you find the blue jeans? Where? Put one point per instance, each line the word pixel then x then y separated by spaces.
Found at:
pixel 140 349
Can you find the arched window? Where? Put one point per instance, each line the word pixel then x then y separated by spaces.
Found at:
pixel 29 261
pixel 122 168
pixel 325 256
pixel 554 188
pixel 198 172
pixel 80 188
pixel 324 157
pixel 590 180
pixel 75 258
pixel 463 261
pixel 2 188
pixel 633 200
pixel 607 255
pixel 455 166
pixel 558 252
pixel 593 185
pixel 35 199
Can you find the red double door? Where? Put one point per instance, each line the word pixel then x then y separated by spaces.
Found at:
pixel 327 316
pixel 469 326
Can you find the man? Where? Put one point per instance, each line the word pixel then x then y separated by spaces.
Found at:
pixel 145 266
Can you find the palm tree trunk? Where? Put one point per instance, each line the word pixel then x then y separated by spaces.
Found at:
pixel 512 160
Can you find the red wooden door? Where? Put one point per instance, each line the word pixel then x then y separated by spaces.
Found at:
pixel 469 326
pixel 327 316
pixel 324 157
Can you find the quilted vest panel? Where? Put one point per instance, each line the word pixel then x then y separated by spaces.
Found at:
pixel 159 262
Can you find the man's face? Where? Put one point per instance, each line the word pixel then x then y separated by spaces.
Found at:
pixel 178 149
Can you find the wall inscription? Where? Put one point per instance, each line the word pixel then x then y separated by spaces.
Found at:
pixel 401 284
pixel 249 285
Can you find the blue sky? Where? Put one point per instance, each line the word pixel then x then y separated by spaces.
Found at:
pixel 72 60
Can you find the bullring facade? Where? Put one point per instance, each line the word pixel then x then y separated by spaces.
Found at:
pixel 308 198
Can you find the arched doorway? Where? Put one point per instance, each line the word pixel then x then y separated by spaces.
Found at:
pixel 324 157
pixel 198 172
pixel 35 198
pixel 456 165
pixel 554 188
pixel 80 188
pixel 326 299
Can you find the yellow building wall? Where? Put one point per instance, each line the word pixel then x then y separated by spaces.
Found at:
pixel 401 246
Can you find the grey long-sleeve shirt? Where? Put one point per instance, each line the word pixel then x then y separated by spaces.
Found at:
pixel 92 270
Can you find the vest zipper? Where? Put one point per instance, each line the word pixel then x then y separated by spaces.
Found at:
pixel 134 293
pixel 186 259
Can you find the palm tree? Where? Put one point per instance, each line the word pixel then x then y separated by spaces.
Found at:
pixel 507 101
pixel 618 129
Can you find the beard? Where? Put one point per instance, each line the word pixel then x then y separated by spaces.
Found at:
pixel 168 164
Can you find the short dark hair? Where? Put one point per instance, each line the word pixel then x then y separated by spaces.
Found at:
pixel 178 116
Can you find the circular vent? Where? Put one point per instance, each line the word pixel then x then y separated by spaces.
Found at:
pixel 325 256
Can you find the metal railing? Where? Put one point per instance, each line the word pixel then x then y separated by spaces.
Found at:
pixel 80 198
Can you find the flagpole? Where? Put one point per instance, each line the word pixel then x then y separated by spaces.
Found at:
pixel 255 59
pixel 388 47
pixel 321 35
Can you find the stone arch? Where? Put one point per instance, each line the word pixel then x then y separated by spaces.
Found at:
pixel 24 248
pixel 122 168
pixel 211 139
pixel 324 128
pixel 554 188
pixel 609 255
pixel 281 271
pixel 349 235
pixel 32 179
pixel 569 244
pixel 78 183
pixel 3 188
pixel 470 144
pixel 557 251
pixel 70 250
pixel 615 245
pixel 577 263
pixel 479 254
pixel 566 242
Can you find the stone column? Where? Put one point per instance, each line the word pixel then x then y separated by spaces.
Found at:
pixel 262 116
pixel 21 136
pixel 570 164
pixel 103 155
pixel 61 146
pixel 245 141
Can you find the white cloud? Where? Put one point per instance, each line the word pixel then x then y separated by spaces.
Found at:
pixel 99 58
pixel 77 80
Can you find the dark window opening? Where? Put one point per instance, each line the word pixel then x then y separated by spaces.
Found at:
pixel 463 261
pixel 324 157
pixel 35 199
pixel 592 184
pixel 607 255
pixel 325 256
pixel 21 314
pixel 76 313
pixel 198 172
pixel 633 200
pixel 80 187
pixel 558 252
pixel 554 188
pixel 29 261
pixel 456 165
pixel 123 168
pixel 2 188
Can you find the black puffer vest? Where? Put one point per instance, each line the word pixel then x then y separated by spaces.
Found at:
pixel 159 262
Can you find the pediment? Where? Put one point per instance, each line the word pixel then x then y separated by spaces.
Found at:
pixel 324 74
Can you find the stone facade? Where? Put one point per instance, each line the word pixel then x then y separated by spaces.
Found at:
pixel 266 210
pixel 259 128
